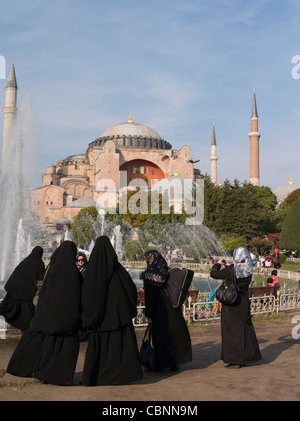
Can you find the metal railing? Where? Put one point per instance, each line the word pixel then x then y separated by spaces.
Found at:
pixel 208 311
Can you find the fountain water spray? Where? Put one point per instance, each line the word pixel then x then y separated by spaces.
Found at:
pixel 23 243
pixel 17 170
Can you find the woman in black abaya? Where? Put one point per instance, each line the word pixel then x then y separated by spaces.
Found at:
pixel 170 334
pixel 239 342
pixel 17 306
pixel 109 298
pixel 48 349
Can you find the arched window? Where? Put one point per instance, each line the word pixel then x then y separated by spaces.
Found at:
pixel 86 193
pixel 76 190
pixel 67 197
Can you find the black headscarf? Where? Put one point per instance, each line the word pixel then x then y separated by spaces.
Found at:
pixel 22 282
pixel 58 309
pixel 157 268
pixel 109 294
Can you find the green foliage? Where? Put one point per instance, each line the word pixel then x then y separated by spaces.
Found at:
pixel 282 210
pixel 282 258
pixel 280 214
pixel 134 250
pixel 194 251
pixel 85 225
pixel 267 197
pixel 232 242
pixel 141 209
pixel 290 199
pixel 238 210
pixel 241 209
pixel 290 234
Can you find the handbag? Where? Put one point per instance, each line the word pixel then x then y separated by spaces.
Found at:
pixel 147 352
pixel 227 294
pixel 39 285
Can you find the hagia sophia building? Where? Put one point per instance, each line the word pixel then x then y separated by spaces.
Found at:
pixel 128 153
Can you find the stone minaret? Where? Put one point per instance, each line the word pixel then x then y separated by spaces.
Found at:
pixel 254 136
pixel 213 157
pixel 10 107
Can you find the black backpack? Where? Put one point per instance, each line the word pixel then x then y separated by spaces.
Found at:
pixel 178 285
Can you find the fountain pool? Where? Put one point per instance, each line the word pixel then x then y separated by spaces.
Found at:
pixel 200 283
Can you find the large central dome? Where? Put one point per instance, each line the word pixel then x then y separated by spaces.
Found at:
pixel 131 129
pixel 132 135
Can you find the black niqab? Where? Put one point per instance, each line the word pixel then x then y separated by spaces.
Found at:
pixel 108 293
pixel 58 309
pixel 21 284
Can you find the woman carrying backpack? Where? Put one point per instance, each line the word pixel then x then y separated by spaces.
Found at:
pixel 170 334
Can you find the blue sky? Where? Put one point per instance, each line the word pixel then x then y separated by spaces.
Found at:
pixel 178 65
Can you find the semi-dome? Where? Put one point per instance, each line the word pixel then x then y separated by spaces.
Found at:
pixel 73 158
pixel 82 203
pixel 282 192
pixel 133 135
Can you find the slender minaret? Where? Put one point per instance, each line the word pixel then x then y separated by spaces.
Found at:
pixel 254 136
pixel 213 157
pixel 10 107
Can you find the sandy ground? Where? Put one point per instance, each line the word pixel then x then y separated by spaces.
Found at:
pixel 275 378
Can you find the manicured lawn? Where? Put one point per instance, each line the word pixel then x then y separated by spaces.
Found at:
pixel 290 266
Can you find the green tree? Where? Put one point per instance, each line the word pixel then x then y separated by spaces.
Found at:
pixel 85 225
pixel 232 242
pixel 290 233
pixel 135 249
pixel 141 209
pixel 282 210
pixel 267 197
pixel 211 199
pixel 269 201
pixel 290 199
pixel 239 211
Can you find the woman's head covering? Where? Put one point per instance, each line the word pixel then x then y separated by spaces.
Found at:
pixel 82 255
pixel 109 294
pixel 22 282
pixel 58 309
pixel 243 266
pixel 157 268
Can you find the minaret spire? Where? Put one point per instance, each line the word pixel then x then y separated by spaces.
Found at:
pixel 254 136
pixel 254 107
pixel 213 157
pixel 12 80
pixel 10 107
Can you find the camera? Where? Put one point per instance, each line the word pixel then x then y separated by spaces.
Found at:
pixel 224 262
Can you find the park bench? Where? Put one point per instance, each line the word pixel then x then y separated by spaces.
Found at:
pixel 262 291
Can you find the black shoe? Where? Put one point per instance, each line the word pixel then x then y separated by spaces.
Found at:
pixel 174 368
pixel 233 366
